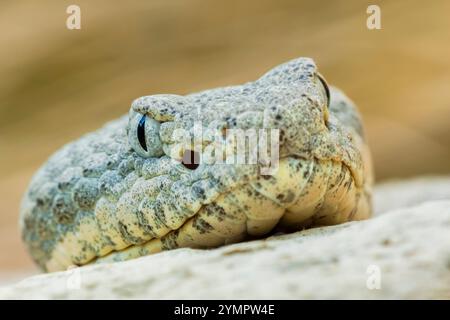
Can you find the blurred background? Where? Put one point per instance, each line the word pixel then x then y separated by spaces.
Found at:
pixel 57 84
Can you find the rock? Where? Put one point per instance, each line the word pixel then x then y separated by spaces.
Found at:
pixel 398 194
pixel 402 253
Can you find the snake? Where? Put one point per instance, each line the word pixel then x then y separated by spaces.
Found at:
pixel 170 174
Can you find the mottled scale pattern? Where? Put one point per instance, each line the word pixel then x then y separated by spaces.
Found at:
pixel 106 197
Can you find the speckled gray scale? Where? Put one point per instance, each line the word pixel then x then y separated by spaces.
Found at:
pixel 107 198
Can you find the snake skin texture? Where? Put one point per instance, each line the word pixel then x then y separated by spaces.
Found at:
pixel 123 191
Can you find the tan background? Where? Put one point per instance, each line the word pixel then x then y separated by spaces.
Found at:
pixel 56 84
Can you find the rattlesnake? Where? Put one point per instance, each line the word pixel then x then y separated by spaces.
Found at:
pixel 129 190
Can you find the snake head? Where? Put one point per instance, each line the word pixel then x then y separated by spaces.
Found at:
pixel 290 101
pixel 202 170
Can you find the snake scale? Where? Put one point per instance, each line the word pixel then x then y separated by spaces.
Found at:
pixel 128 189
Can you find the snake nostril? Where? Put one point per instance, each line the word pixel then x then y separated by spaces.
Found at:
pixel 191 159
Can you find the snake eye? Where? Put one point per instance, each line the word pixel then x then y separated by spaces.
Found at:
pixel 190 159
pixel 327 89
pixel 141 133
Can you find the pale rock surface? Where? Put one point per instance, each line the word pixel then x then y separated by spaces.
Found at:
pixel 406 193
pixel 402 253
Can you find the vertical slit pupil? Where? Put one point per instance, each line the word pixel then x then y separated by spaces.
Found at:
pixel 191 159
pixel 141 133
